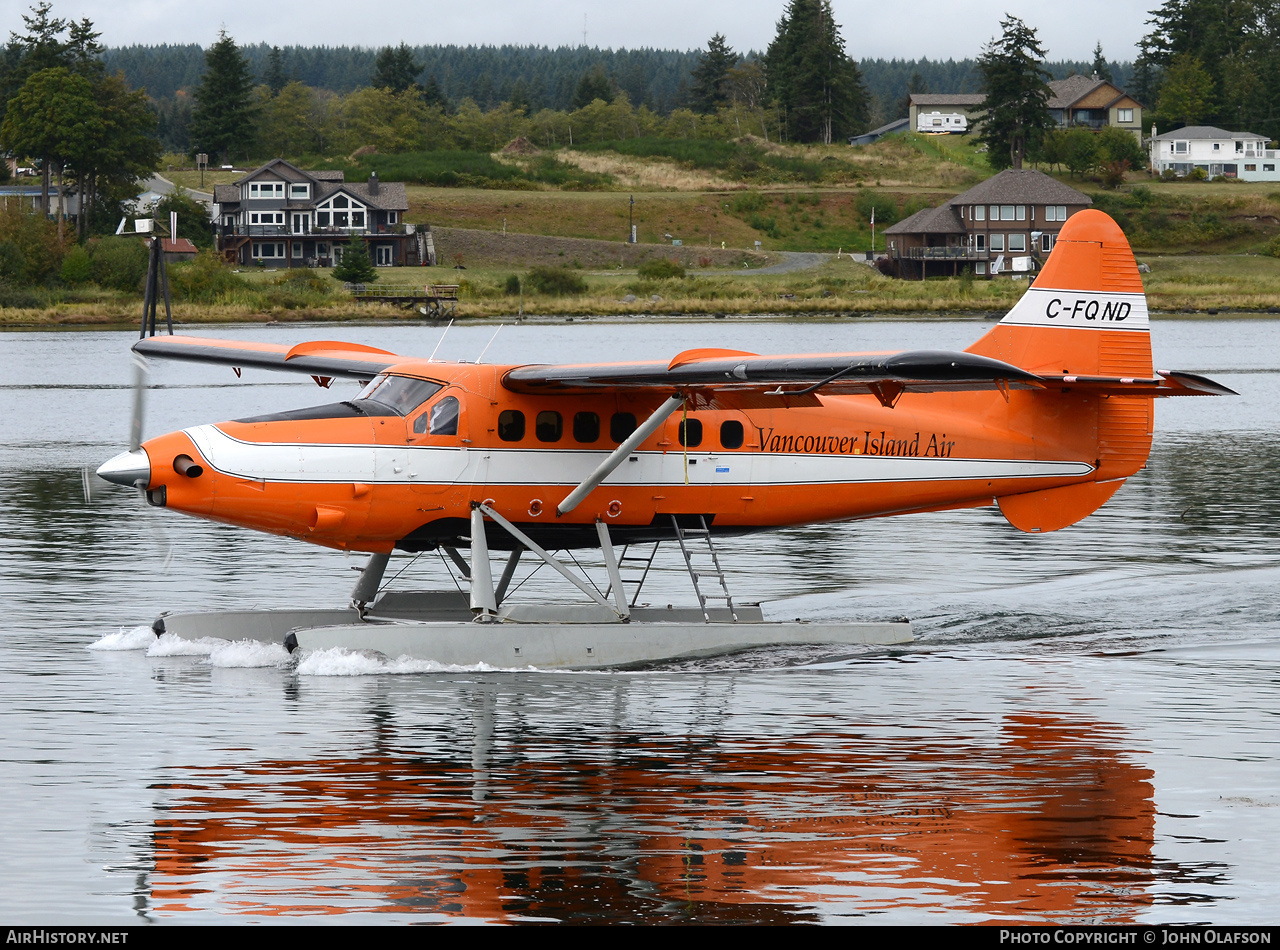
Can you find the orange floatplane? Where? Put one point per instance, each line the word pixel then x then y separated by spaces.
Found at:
pixel 1046 416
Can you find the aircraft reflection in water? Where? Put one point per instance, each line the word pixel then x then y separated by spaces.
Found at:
pixel 1043 820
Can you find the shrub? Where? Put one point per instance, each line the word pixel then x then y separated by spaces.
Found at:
pixel 205 279
pixel 119 263
pixel 512 286
pixel 303 281
pixel 748 202
pixel 886 208
pixel 76 267
pixel 660 269
pixel 1273 247
pixel 555 281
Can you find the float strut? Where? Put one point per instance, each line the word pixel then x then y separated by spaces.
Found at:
pixel 483 603
pixel 367 586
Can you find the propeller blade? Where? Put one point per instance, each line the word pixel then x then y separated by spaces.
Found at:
pixel 139 391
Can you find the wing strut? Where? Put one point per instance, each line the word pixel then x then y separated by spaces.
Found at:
pixel 605 468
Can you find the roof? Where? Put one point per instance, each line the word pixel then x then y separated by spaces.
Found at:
pixel 1206 132
pixel 945 99
pixel 1072 89
pixel 178 246
pixel 1021 186
pixel 896 125
pixel 226 194
pixel 943 220
pixel 279 167
pixel 391 195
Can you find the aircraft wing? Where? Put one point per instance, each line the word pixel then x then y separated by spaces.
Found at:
pixel 321 358
pixel 886 375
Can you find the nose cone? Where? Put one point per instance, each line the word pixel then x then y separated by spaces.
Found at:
pixel 128 468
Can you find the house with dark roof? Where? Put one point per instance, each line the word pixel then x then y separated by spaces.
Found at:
pixel 1075 101
pixel 1094 104
pixel 1216 152
pixel 281 216
pixel 1006 224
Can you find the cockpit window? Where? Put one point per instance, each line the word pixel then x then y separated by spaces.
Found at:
pixel 444 417
pixel 401 393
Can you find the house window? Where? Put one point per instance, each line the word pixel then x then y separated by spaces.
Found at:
pixel 979 242
pixel 1268 168
pixel 340 219
pixel 995 212
pixel 391 217
pixel 1180 148
pixel 1022 212
pixel 1216 146
pixel 1251 168
pixel 357 219
pixel 299 191
pixel 322 250
pixel 1017 243
pixel 322 219
pixel 979 212
pixel 253 219
pixel 297 248
pixel 1239 146
pixel 1006 212
pixel 1046 242
pixel 997 242
pixel 980 268
pixel 266 250
pixel 266 189
pixel 340 201
pixel 1055 212
pixel 1124 115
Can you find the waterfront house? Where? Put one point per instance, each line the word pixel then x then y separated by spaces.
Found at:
pixel 1006 224
pixel 1075 101
pixel 281 216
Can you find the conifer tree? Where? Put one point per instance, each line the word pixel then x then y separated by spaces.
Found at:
pixel 355 266
pixel 810 76
pixel 708 91
pixel 1016 107
pixel 1100 67
pixel 224 117
pixel 396 69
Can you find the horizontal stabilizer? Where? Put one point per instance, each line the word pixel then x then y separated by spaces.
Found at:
pixel 1055 508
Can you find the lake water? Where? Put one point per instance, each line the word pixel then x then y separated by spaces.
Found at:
pixel 1084 731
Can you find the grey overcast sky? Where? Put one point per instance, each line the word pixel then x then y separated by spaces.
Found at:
pixel 938 29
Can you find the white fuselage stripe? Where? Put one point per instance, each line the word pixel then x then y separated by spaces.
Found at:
pixel 311 463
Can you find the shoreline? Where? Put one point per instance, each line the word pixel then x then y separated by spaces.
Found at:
pixel 359 318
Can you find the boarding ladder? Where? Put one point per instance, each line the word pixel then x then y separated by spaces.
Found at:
pixel 717 572
pixel 629 565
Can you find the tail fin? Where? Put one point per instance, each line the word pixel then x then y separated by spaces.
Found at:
pixel 1085 315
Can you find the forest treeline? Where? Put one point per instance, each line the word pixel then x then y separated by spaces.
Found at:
pixel 532 77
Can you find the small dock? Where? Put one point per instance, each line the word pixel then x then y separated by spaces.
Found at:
pixel 433 300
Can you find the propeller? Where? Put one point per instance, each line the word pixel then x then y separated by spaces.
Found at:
pixel 132 469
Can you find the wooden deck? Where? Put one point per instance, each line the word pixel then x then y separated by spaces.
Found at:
pixel 434 300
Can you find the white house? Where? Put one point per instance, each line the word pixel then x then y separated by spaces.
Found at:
pixel 1218 152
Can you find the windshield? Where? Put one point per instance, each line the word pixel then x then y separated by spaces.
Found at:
pixel 401 393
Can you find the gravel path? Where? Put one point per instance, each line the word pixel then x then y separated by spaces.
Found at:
pixel 794 261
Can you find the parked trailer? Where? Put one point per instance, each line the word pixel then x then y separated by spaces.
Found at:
pixel 942 123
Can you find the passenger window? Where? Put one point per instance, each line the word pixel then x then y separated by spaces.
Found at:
pixel 731 434
pixel 586 427
pixel 511 425
pixel 690 433
pixel 621 425
pixel 548 426
pixel 440 419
